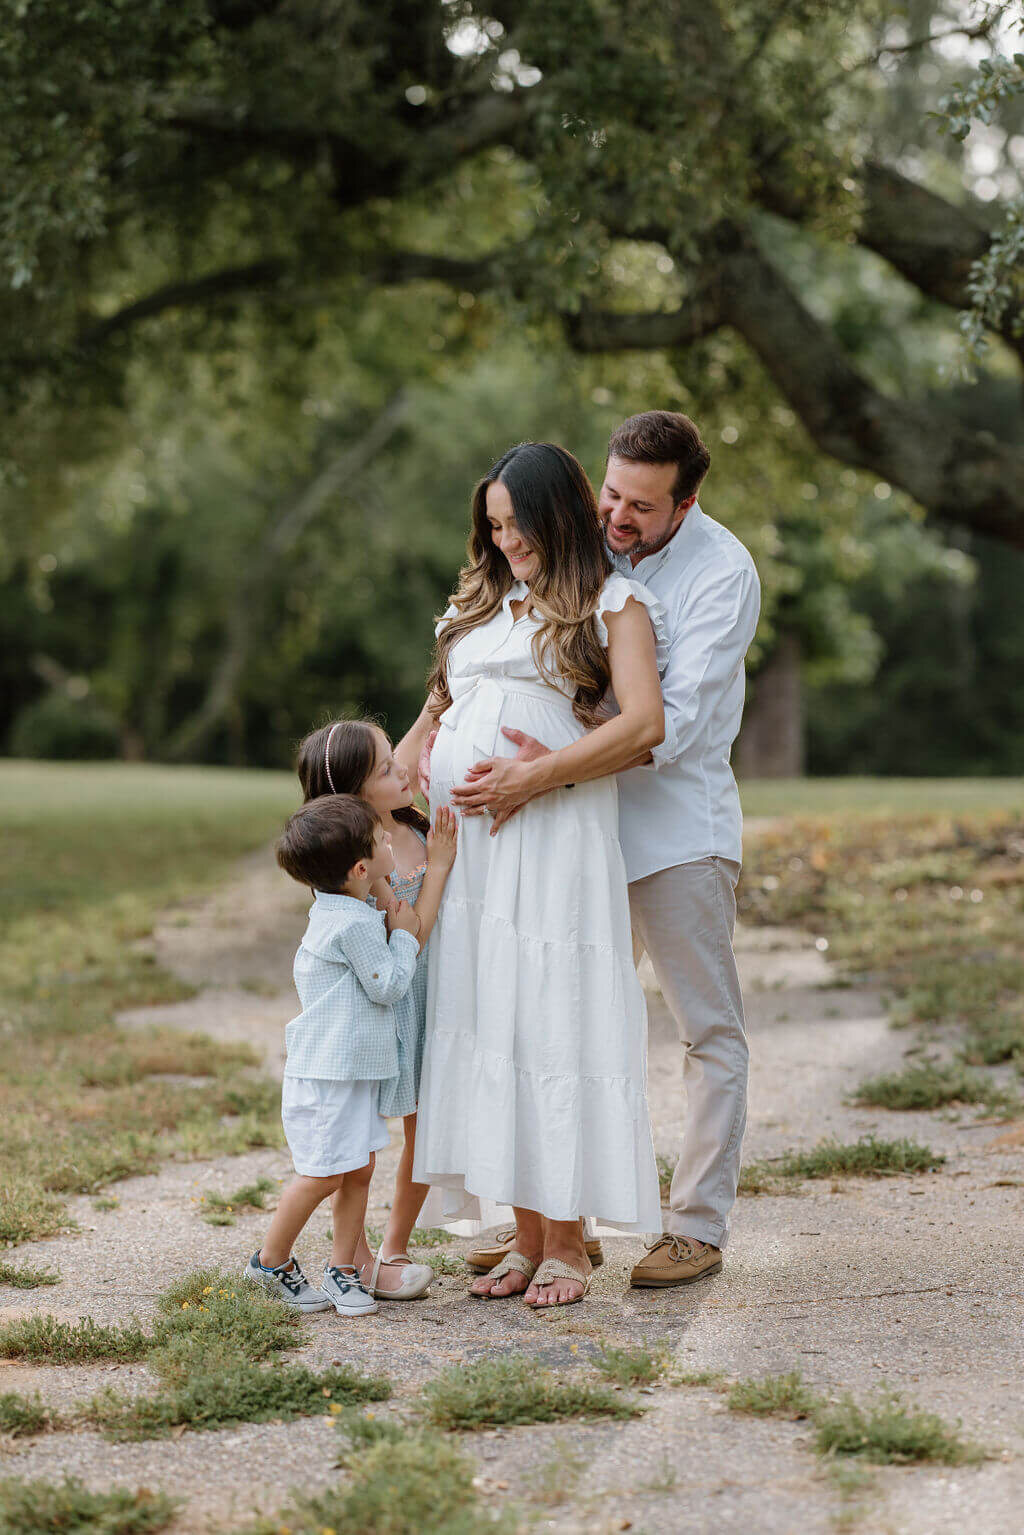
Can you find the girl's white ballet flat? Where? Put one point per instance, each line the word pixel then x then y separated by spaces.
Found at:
pixel 415 1281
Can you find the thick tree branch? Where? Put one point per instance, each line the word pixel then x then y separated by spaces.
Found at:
pixel 960 476
pixel 198 292
pixel 927 239
pixel 596 330
pixel 278 276
pixel 361 171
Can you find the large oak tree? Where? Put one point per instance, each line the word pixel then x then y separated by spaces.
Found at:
pixel 634 167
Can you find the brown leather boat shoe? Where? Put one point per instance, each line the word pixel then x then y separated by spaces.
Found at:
pixel 672 1260
pixel 483 1259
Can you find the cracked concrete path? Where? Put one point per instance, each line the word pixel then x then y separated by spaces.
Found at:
pixel 916 1282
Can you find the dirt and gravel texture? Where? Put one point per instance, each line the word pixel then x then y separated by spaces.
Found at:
pixel 917 1282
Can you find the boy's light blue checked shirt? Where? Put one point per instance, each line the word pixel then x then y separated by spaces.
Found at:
pixel 348 976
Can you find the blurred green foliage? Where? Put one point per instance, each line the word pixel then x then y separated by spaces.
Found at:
pixel 229 516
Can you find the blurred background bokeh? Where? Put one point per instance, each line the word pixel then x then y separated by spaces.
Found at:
pixel 279 281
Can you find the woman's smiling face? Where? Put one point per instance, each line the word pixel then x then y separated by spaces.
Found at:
pixel 505 535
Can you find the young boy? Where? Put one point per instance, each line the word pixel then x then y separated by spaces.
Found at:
pixel 341 1047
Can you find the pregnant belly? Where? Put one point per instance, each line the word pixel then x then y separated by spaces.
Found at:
pixel 472 729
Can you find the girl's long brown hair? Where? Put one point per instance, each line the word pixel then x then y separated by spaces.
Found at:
pixel 353 754
pixel 556 513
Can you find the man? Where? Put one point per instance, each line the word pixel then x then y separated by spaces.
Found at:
pixel 679 815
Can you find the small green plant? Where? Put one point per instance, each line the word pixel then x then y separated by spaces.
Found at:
pixel 762 1178
pixel 46 1340
pixel 360 1430
pixel 446 1263
pixel 666 1479
pixel 931 1087
pixel 22 1276
pixel 886 1432
pixel 209 1312
pixel 494 1392
pixel 21 1416
pixel 772 1396
pixel 235 1392
pixel 555 1480
pixel 219 1218
pixel 418 1484
pixel 106 1202
pixel 630 1366
pixel 251 1196
pixel 42 1508
pixel 430 1236
pixel 28 1212
pixel 713 1378
pixel 666 1169
pixel 869 1157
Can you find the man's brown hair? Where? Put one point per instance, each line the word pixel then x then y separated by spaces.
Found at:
pixel 664 437
pixel 324 840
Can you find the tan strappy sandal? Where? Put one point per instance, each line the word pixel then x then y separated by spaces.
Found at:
pixel 554 1268
pixel 512 1262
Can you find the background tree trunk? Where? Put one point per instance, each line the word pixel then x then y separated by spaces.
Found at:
pixel 771 742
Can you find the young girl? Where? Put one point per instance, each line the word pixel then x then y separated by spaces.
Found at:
pixel 355 757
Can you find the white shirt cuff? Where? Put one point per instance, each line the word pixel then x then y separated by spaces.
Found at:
pixel 400 932
pixel 666 751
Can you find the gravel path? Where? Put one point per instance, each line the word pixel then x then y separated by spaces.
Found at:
pixel 916 1282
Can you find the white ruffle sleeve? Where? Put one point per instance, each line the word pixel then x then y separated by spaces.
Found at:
pixel 450 612
pixel 615 593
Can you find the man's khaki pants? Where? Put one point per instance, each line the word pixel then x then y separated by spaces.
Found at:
pixel 684 918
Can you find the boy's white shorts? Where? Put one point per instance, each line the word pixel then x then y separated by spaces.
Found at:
pixel 331 1127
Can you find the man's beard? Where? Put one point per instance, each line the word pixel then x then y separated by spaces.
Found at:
pixel 642 546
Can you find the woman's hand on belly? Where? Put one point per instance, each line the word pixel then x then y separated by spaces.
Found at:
pixel 500 786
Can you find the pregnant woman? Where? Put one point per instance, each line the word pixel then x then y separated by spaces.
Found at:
pixel 534 1076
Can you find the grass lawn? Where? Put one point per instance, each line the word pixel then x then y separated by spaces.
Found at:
pixel 90 852
pixel 880 797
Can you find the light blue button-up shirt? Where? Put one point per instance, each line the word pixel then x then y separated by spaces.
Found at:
pixel 686 806
pixel 349 976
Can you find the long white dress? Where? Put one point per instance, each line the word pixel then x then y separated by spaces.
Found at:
pixel 534 1073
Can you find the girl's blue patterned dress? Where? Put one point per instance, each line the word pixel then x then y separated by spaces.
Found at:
pixel 399 1094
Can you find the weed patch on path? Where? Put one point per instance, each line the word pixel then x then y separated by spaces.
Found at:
pixel 23 1276
pixel 416 1484
pixel 868 1157
pixel 47 1340
pixel 234 1392
pixel 21 1416
pixel 39 1508
pixel 884 1431
pixel 630 1366
pixel 929 1086
pixel 773 1396
pixel 221 1209
pixel 887 1432
pixel 493 1393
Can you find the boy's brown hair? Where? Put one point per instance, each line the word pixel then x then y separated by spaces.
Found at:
pixel 664 437
pixel 324 840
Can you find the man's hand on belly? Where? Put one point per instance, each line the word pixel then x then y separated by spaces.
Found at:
pixel 498 785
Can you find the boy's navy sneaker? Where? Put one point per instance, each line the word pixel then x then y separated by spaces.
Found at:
pixel 348 1295
pixel 287 1283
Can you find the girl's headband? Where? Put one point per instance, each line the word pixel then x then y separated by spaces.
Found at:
pixel 327 755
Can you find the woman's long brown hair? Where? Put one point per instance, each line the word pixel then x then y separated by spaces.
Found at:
pixel 556 514
pixel 353 748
